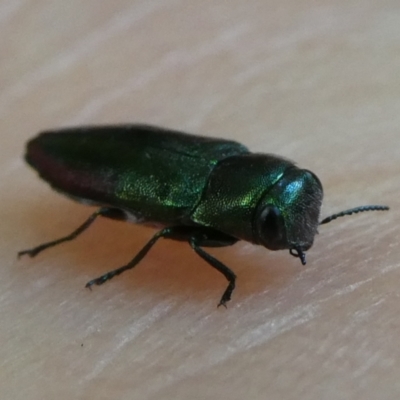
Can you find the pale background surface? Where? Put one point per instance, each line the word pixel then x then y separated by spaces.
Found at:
pixel 315 81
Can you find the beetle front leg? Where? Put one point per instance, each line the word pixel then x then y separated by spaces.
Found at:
pixel 227 272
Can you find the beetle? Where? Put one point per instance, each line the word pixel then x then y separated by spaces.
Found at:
pixel 205 191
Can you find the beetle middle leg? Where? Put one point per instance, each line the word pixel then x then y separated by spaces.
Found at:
pixel 196 236
pixel 164 233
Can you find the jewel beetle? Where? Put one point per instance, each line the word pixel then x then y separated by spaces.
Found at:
pixel 205 191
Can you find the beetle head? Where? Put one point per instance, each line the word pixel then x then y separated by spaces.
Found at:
pixel 287 215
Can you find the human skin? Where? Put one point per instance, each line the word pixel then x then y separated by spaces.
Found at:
pixel 316 82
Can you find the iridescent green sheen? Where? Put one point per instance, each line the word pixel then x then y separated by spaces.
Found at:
pixel 234 190
pixel 157 175
pixel 171 178
pixel 298 196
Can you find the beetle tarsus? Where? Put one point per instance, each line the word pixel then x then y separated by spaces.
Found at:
pixel 227 294
pixel 222 303
pixel 98 281
pixel 31 252
pixel 297 252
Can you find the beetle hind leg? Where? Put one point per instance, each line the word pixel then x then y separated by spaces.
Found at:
pixel 104 211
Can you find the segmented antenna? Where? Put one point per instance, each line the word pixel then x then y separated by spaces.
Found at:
pixel 353 211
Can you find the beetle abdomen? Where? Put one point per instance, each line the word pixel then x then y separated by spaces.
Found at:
pixel 137 168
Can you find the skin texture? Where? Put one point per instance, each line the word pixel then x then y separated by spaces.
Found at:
pixel 312 81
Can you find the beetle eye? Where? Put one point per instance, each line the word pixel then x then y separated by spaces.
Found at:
pixel 271 228
pixel 270 220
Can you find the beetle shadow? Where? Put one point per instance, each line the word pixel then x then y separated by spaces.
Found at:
pixel 169 267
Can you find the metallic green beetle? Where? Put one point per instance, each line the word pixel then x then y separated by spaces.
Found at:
pixel 205 191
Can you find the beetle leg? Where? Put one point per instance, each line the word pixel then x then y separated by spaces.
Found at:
pixel 196 239
pixel 227 272
pixel 104 211
pixel 169 232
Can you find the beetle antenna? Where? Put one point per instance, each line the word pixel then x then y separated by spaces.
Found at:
pixel 353 211
pixel 296 252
